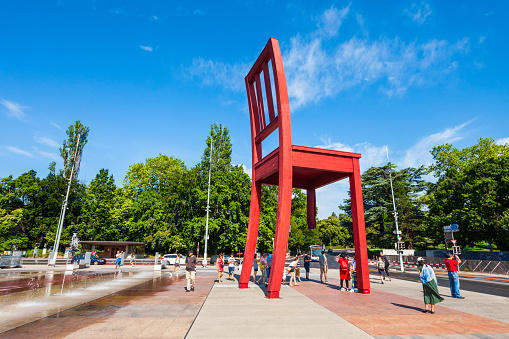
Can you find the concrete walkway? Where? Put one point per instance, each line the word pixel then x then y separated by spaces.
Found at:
pixel 147 305
pixel 230 312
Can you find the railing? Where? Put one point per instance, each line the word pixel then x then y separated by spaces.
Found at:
pixel 479 266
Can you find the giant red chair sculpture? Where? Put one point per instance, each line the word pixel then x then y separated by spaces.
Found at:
pixel 291 166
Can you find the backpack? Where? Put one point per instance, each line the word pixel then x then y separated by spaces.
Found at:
pixel 386 262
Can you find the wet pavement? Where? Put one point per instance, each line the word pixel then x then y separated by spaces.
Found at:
pixel 157 307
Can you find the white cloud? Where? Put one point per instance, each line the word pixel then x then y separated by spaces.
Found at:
pixel 55 125
pixel 154 18
pixel 482 38
pixel 198 12
pixel 328 198
pixel 49 155
pixel 490 13
pixel 146 48
pixel 419 154
pixel 317 67
pixel 19 151
pixel 370 155
pixel 219 73
pixel 418 12
pixel 331 20
pixel 46 141
pixel 14 109
pixel 314 73
pixel 503 141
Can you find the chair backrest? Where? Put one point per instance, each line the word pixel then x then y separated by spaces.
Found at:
pixel 261 127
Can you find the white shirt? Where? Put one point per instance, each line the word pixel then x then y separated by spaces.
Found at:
pixel 231 261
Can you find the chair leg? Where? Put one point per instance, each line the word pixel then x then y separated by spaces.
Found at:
pixel 284 210
pixel 311 208
pixel 252 234
pixel 359 231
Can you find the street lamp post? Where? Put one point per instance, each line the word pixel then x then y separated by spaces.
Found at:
pixel 400 252
pixel 53 259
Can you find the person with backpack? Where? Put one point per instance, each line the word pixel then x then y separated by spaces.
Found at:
pixel 386 262
pixel 344 274
pixel 381 269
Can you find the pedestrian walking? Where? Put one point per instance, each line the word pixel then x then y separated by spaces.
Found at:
pixel 353 273
pixel 307 261
pixel 231 266
pixel 381 269
pixel 132 260
pixel 220 267
pixel 176 265
pixel 263 266
pixel 255 268
pixel 297 269
pixel 386 262
pixel 344 273
pixel 118 261
pixel 429 286
pixel 269 265
pixel 190 271
pixel 324 267
pixel 452 270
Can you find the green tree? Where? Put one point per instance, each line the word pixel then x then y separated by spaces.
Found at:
pixel 472 191
pixel 378 206
pixel 69 147
pixel 333 230
pixel 96 217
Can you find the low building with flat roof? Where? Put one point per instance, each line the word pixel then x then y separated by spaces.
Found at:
pixel 110 248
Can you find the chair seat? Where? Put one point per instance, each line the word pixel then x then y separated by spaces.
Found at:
pixel 311 167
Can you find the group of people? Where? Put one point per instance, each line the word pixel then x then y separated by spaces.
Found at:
pixel 220 267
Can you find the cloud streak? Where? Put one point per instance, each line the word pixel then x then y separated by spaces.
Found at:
pixel 14 109
pixel 146 48
pixel 419 154
pixel 418 12
pixel 318 67
pixel 331 196
pixel 218 73
pixel 46 141
pixel 19 151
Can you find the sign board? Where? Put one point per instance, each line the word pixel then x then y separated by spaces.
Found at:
pixel 453 227
pixel 453 242
pixel 399 238
pixel 397 232
pixel 66 253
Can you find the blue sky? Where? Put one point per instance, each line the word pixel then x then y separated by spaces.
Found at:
pixel 151 77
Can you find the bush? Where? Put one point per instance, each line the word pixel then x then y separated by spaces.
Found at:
pixel 374 252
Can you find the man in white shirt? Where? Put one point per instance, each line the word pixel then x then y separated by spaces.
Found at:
pixel 324 267
pixel 231 266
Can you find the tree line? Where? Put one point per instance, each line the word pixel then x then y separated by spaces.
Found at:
pixel 162 202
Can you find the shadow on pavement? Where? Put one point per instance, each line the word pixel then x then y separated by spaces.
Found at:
pixel 408 307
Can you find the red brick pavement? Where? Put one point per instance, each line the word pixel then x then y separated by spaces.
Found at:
pixel 383 313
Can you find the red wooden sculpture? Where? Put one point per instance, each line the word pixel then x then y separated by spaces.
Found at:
pixel 291 166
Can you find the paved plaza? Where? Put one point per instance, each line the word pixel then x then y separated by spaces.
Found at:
pixel 144 304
